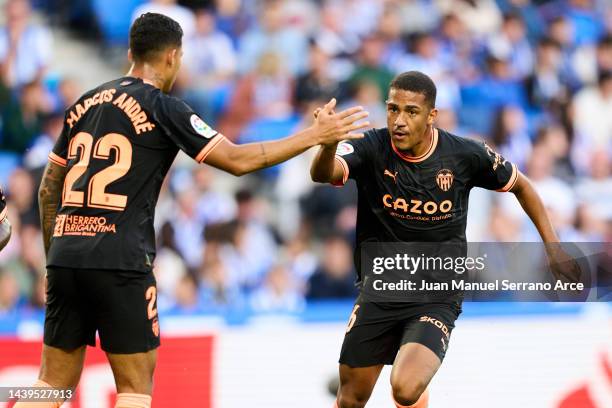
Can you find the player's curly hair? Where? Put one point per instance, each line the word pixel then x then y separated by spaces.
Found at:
pixel 416 81
pixel 152 33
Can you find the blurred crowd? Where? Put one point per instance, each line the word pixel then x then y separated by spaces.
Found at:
pixel 532 78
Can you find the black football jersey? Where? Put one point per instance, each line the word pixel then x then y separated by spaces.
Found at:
pixel 118 142
pixel 419 199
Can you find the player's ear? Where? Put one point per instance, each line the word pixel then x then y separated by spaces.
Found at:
pixel 130 56
pixel 432 116
pixel 175 56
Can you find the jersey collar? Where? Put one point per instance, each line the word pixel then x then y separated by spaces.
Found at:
pixel 424 156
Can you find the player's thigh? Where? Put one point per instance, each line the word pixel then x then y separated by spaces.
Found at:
pixel 70 320
pixel 133 372
pixel 424 344
pixel 414 367
pixel 126 313
pixel 61 368
pixel 356 384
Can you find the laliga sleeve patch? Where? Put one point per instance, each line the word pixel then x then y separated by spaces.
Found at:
pixel 201 127
pixel 344 148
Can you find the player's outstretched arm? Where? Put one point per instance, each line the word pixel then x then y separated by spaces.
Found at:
pixel 534 208
pixel 563 266
pixel 325 168
pixel 49 195
pixel 328 129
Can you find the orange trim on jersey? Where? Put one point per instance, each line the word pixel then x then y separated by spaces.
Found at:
pixel 424 156
pixel 345 171
pixel 3 214
pixel 209 147
pixel 512 181
pixel 60 161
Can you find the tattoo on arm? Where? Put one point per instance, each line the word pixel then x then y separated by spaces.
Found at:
pixel 263 153
pixel 49 195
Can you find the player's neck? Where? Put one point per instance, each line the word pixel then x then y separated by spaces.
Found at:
pixel 422 146
pixel 148 74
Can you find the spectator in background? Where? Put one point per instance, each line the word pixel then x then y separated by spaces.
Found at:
pixel 593 119
pixel 255 243
pixel 23 117
pixel 9 293
pixel 273 34
pixel 603 54
pixel 266 93
pixel 370 67
pixel 425 56
pixel 211 64
pixel 596 190
pixel 279 293
pixel 530 14
pixel 364 15
pixel 557 195
pixel 512 45
pixel 25 48
pixel 366 93
pixel 481 17
pixel 457 48
pixel 561 30
pixel 547 86
pixel 20 193
pixel 391 28
pixel 509 135
pixel 415 16
pixel 213 206
pixel 188 227
pixel 335 276
pixel 37 156
pixel 555 139
pixel 317 84
pixel 587 23
pixel 335 42
pixel 217 290
pixel 170 8
pixel 482 98
pixel 169 268
pixel 69 90
pixel 185 296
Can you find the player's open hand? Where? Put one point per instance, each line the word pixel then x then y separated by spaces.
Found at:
pixel 332 127
pixel 562 265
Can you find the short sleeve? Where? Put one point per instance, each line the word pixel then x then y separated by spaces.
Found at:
pixel 351 154
pixel 187 130
pixel 492 171
pixel 59 154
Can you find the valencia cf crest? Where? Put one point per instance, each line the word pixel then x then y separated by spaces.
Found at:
pixel 445 179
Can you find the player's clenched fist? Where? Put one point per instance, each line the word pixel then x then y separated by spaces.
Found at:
pixel 334 127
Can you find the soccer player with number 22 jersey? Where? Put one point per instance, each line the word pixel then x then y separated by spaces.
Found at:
pixel 97 202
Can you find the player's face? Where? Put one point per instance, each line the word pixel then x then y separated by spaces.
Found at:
pixel 408 118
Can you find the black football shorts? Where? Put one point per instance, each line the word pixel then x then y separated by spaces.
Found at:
pixel 120 305
pixel 376 331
